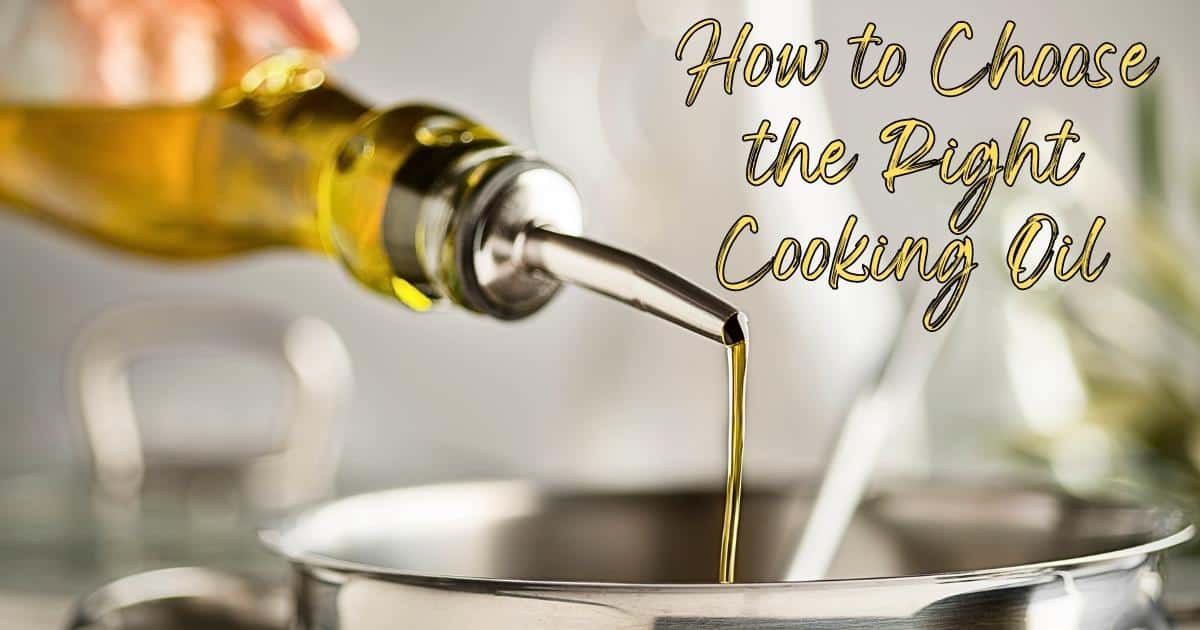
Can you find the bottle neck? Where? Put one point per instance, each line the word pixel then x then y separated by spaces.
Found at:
pixel 297 131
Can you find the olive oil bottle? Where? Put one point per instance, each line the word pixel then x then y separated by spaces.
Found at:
pixel 283 159
pixel 417 202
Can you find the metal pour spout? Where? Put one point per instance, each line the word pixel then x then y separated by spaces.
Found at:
pixel 497 235
pixel 633 280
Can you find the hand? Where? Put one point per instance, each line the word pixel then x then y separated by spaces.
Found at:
pixel 127 51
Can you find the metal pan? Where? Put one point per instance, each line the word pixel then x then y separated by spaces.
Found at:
pixel 515 555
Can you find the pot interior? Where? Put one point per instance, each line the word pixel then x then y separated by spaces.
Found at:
pixel 511 530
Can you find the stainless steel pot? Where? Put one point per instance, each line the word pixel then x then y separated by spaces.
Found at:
pixel 513 555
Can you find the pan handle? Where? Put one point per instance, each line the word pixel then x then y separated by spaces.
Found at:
pixel 309 352
pixel 183 598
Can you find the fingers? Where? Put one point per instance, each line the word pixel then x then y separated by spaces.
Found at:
pixel 253 29
pixel 248 34
pixel 181 49
pixel 132 51
pixel 108 48
pixel 172 50
pixel 322 26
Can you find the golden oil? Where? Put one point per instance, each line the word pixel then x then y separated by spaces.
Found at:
pixel 733 478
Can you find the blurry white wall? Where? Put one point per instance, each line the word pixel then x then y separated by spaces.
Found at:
pixel 586 384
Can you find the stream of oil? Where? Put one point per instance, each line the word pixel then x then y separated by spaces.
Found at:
pixel 733 477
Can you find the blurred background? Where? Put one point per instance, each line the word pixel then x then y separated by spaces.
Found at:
pixel 1085 382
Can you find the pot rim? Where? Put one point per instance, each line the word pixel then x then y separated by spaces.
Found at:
pixel 275 537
